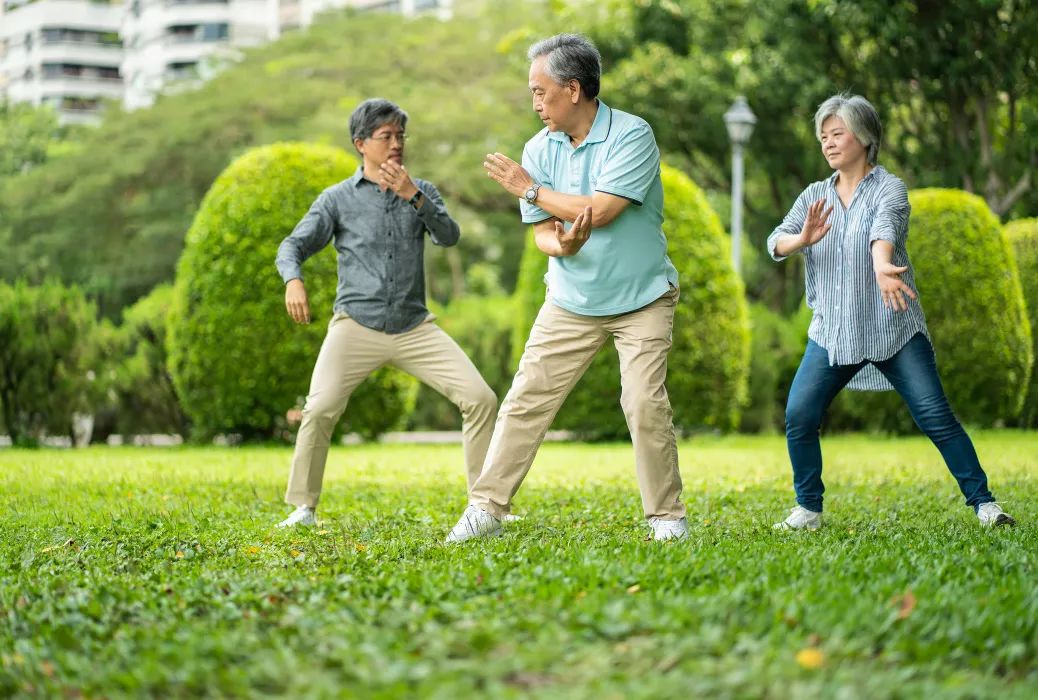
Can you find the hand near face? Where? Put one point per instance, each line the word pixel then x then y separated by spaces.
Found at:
pixel 509 174
pixel 393 176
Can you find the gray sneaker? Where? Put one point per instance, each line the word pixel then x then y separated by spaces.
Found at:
pixel 800 518
pixel 992 515
pixel 475 522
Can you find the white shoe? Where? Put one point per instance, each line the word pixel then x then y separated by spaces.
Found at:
pixel 303 515
pixel 475 522
pixel 668 529
pixel 800 518
pixel 992 515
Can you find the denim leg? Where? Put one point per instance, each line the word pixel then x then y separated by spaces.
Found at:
pixel 913 372
pixel 815 386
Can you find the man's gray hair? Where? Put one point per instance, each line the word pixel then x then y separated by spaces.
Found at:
pixel 371 114
pixel 860 117
pixel 571 57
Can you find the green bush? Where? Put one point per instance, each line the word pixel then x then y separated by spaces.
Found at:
pixel 777 345
pixel 709 360
pixel 48 346
pixel 238 361
pixel 970 290
pixel 482 326
pixel 1023 236
pixel 141 397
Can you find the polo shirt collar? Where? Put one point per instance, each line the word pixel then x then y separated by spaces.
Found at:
pixel 599 128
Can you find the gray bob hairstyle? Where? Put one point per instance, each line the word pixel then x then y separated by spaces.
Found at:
pixel 860 117
pixel 571 57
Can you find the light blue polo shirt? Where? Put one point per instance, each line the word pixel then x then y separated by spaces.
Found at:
pixel 622 266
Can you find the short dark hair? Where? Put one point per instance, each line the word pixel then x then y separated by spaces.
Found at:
pixel 371 114
pixel 571 57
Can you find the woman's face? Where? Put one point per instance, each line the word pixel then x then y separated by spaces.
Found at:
pixel 840 146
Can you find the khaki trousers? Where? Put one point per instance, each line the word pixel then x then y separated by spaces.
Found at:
pixel 561 346
pixel 349 354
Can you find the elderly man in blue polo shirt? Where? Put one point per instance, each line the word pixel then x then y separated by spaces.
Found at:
pixel 590 185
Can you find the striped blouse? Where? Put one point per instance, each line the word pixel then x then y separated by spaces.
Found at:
pixel 849 319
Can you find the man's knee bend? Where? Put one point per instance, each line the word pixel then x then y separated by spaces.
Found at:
pixel 481 400
pixel 642 409
pixel 322 410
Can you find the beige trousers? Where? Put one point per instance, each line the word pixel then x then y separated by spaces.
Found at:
pixel 561 346
pixel 349 354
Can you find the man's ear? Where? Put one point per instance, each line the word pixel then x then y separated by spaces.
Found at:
pixel 358 144
pixel 574 94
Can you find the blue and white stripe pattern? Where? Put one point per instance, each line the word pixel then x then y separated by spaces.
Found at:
pixel 849 319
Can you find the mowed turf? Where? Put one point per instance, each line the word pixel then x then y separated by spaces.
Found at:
pixel 157 572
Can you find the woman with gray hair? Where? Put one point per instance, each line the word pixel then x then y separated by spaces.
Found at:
pixel 867 330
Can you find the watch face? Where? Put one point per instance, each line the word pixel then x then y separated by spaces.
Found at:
pixel 531 194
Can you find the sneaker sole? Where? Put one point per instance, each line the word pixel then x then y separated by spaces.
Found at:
pixel 1004 520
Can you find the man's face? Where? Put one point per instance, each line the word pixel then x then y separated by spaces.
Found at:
pixel 553 103
pixel 386 143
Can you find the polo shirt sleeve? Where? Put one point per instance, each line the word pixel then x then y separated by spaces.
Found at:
pixel 631 166
pixel 534 162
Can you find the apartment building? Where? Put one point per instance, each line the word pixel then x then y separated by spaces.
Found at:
pixel 75 54
pixel 64 53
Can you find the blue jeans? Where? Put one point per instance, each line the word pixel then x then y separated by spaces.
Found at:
pixel 913 373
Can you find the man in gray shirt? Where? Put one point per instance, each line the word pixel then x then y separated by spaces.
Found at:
pixel 377 220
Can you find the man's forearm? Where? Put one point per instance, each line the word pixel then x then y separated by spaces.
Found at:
pixel 567 207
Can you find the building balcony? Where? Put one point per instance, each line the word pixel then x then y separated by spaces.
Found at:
pixel 75 52
pixel 107 88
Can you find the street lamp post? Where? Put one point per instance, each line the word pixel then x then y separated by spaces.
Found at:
pixel 739 120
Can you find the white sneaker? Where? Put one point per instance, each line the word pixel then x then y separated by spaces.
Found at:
pixel 475 522
pixel 668 529
pixel 992 515
pixel 303 515
pixel 800 518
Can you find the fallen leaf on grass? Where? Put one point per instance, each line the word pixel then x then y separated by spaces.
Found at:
pixel 906 604
pixel 634 589
pixel 811 658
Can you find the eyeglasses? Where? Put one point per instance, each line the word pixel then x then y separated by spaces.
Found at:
pixel 386 138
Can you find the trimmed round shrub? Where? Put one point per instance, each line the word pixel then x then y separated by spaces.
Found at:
pixel 708 367
pixel 239 363
pixel 970 290
pixel 1023 237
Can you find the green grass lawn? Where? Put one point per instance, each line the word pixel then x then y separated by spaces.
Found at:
pixel 129 571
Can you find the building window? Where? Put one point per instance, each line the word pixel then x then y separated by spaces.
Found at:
pixel 182 70
pixel 214 32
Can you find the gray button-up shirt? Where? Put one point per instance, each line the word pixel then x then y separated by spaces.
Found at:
pixel 849 319
pixel 380 241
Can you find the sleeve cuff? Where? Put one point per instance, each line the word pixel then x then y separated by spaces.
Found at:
pixel 634 197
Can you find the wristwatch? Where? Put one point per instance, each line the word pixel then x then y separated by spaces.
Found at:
pixel 530 195
pixel 414 200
